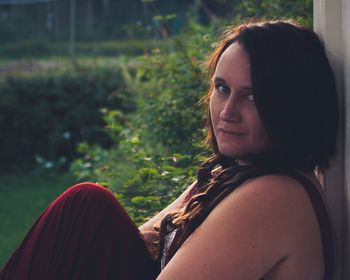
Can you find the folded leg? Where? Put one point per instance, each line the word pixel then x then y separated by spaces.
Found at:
pixel 84 234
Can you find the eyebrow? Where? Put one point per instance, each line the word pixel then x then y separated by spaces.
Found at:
pixel 218 79
pixel 222 80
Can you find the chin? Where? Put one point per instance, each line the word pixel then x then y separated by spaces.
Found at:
pixel 230 150
pixel 237 154
pixel 241 152
pixel 232 154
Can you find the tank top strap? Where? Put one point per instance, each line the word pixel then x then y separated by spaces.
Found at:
pixel 323 220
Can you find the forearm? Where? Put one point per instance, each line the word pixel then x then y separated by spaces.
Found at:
pixel 155 220
pixel 150 229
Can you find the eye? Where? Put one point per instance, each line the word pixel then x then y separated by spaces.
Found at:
pixel 222 89
pixel 248 94
pixel 250 97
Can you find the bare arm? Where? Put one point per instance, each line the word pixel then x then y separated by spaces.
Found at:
pixel 248 233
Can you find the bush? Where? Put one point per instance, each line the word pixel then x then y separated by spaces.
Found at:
pixel 300 10
pixel 143 180
pixel 44 48
pixel 156 157
pixel 44 116
pixel 131 47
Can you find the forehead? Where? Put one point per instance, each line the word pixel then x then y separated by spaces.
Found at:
pixel 234 65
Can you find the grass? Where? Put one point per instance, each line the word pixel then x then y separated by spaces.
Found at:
pixel 22 199
pixel 30 66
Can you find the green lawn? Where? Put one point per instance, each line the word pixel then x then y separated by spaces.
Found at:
pixel 22 199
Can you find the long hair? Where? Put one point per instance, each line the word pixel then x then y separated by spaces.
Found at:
pixel 295 95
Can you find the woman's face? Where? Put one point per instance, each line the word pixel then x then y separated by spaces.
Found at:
pixel 237 126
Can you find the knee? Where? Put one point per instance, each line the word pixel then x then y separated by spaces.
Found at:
pixel 89 189
pixel 89 193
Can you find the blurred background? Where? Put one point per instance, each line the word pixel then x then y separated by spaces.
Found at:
pixel 110 92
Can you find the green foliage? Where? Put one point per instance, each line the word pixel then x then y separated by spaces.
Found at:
pixel 143 180
pixel 164 17
pixel 171 112
pixel 130 47
pixel 45 115
pixel 43 48
pixel 300 10
pixel 170 86
pixel 156 157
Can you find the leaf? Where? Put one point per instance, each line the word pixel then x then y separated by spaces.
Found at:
pixel 158 17
pixel 171 16
pixel 135 140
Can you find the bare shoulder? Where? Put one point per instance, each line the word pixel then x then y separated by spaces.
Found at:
pixel 274 189
pixel 269 194
pixel 282 204
pixel 254 228
pixel 277 205
pixel 278 183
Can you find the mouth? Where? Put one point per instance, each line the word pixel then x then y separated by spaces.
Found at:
pixel 230 132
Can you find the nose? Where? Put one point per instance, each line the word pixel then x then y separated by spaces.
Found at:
pixel 230 111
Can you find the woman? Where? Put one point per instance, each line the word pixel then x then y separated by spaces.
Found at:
pixel 256 210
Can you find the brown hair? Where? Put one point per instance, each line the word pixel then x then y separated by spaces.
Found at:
pixel 295 94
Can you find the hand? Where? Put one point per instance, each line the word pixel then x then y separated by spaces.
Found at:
pixel 151 239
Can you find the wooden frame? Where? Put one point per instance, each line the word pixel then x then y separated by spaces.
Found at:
pixel 331 22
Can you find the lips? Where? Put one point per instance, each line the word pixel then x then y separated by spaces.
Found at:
pixel 230 132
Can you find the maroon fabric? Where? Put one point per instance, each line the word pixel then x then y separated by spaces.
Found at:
pixel 84 234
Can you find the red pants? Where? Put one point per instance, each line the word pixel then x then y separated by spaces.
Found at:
pixel 84 234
